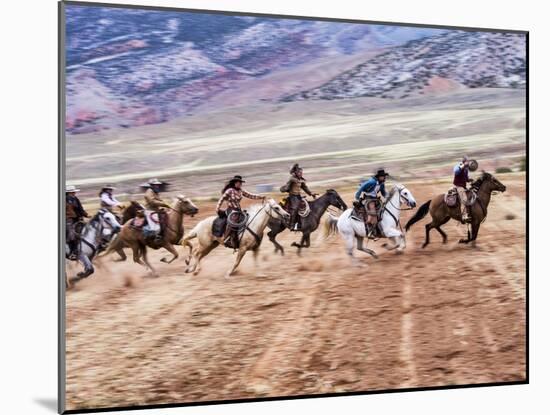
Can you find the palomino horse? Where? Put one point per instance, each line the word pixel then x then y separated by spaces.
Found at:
pixel 133 237
pixel 441 213
pixel 258 216
pixel 352 229
pixel 100 228
pixel 310 223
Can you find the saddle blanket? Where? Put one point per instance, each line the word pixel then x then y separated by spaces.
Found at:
pixel 152 222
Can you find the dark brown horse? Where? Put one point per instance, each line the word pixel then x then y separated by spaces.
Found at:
pixel 441 213
pixel 310 223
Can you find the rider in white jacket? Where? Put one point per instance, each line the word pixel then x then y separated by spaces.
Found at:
pixel 107 200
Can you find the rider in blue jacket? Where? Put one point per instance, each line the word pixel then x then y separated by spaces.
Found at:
pixel 368 196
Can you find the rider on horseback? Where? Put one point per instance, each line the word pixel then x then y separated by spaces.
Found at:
pixel 367 196
pixel 296 183
pixel 461 178
pixel 154 203
pixel 232 193
pixel 107 200
pixel 74 214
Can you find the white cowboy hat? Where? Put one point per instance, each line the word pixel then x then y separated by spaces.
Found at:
pixel 154 181
pixel 71 189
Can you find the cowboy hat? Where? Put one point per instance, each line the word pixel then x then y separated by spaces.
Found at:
pixel 108 186
pixel 154 181
pixel 381 172
pixel 237 178
pixel 295 168
pixel 71 189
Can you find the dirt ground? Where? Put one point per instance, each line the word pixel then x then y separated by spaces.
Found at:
pixel 291 325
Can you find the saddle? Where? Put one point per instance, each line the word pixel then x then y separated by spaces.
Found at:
pixel 230 227
pixel 303 208
pixel 453 198
pixel 359 213
pixel 151 223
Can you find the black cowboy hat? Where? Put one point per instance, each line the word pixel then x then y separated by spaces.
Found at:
pixel 381 172
pixel 237 178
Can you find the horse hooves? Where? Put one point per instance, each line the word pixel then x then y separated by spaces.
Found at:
pixel 463 241
pixel 164 260
pixel 424 245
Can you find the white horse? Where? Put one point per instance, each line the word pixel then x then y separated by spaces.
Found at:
pixel 258 217
pixel 96 232
pixel 351 228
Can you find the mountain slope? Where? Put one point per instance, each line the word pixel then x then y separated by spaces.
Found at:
pixel 455 59
pixel 128 67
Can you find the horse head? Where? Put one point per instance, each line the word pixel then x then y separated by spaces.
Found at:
pixel 335 199
pixel 405 196
pixel 493 183
pixel 186 206
pixel 275 210
pixel 109 219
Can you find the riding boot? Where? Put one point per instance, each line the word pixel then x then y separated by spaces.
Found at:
pixel 294 225
pixel 73 254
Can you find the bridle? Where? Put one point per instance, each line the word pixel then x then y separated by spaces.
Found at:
pixel 408 202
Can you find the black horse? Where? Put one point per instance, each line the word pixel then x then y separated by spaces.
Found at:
pixel 308 224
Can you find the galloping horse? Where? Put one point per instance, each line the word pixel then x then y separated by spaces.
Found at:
pixel 133 237
pixel 441 213
pixel 100 228
pixel 352 229
pixel 309 223
pixel 258 217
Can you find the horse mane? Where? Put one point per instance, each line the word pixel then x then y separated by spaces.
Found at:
pixel 479 181
pixel 396 187
pixel 254 209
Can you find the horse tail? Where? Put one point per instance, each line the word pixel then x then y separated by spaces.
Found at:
pixel 420 213
pixel 329 226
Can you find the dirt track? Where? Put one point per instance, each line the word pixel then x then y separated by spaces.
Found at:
pixel 444 315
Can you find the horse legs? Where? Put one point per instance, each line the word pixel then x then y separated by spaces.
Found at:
pixel 121 253
pixel 438 228
pixel 256 252
pixel 188 244
pixel 360 247
pixel 88 268
pixel 240 255
pixel 396 243
pixel 278 247
pixel 429 227
pixel 200 253
pixel 170 248
pixel 147 264
pixel 475 230
pixel 299 245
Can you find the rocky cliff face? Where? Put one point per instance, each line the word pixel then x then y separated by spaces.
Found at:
pixel 455 59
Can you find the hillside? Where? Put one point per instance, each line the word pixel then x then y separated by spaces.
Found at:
pixel 130 67
pixel 452 60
